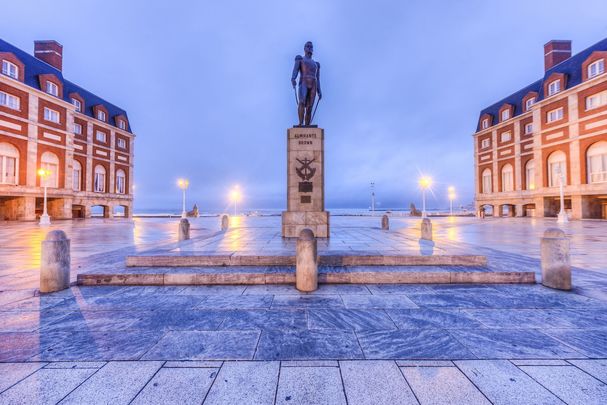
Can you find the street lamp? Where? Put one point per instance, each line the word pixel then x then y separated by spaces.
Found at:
pixel 183 185
pixel 44 218
pixel 451 191
pixel 562 217
pixel 235 197
pixel 425 183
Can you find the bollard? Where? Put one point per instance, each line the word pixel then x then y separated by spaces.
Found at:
pixel 184 229
pixel 55 262
pixel 426 229
pixel 306 262
pixel 225 222
pixel 385 223
pixel 556 268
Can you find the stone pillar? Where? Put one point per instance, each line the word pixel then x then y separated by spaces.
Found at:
pixel 306 267
pixel 426 229
pixel 60 208
pixel 519 210
pixel 577 211
pixel 108 211
pixel 184 229
pixel 55 262
pixel 385 223
pixel 556 267
pixel 225 222
pixel 19 209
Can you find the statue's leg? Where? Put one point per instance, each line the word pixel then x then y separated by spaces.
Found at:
pixel 310 104
pixel 301 106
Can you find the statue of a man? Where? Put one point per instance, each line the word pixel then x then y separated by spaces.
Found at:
pixel 309 83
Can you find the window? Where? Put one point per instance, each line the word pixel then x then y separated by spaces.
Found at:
pixel 10 69
pixel 9 163
pixel 597 163
pixel 556 167
pixel 506 137
pixel 78 129
pixel 486 186
pixel 101 136
pixel 99 180
pixel 52 89
pixel 485 123
pixel 122 124
pixel 51 115
pixel 77 104
pixel 529 103
pixel 50 162
pixel 120 181
pixel 10 101
pixel 555 115
pixel 507 178
pixel 596 68
pixel 530 175
pixel 596 100
pixel 121 143
pixel 485 143
pixel 77 176
pixel 554 87
pixel 101 115
pixel 528 128
pixel 505 115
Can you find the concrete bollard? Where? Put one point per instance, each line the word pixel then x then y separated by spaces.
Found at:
pixel 306 262
pixel 556 267
pixel 55 262
pixel 184 229
pixel 385 223
pixel 225 222
pixel 426 229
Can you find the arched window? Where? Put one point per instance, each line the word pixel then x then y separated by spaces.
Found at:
pixel 120 181
pixel 487 187
pixel 99 183
pixel 9 163
pixel 557 167
pixel 50 162
pixel 77 176
pixel 597 162
pixel 507 178
pixel 530 175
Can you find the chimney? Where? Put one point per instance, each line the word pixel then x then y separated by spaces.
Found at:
pixel 50 52
pixel 555 52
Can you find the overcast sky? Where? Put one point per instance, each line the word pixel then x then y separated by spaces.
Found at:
pixel 206 85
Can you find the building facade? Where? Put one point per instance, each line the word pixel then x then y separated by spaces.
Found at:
pixel 552 132
pixel 84 143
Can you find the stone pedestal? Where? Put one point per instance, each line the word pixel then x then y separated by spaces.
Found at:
pixel 306 268
pixel 55 262
pixel 556 266
pixel 184 229
pixel 305 183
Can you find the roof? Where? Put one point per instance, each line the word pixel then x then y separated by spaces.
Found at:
pixel 35 67
pixel 572 68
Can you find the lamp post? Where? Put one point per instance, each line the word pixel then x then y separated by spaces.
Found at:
pixel 425 182
pixel 235 196
pixel 451 191
pixel 44 218
pixel 183 185
pixel 562 217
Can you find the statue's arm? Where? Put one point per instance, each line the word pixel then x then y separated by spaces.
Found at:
pixel 318 81
pixel 295 70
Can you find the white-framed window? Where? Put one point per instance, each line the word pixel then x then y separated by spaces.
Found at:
pixel 485 143
pixel 557 165
pixel 507 178
pixel 9 164
pixel 51 115
pixel 596 68
pixel 77 176
pixel 528 128
pixel 120 181
pixel 52 88
pixel 529 103
pixel 554 87
pixel 10 101
pixel 50 162
pixel 77 104
pixel 505 114
pixel 121 143
pixel 506 136
pixel 101 136
pixel 597 163
pixel 10 69
pixel 530 175
pixel 101 115
pixel 99 179
pixel 122 124
pixel 77 129
pixel 485 123
pixel 596 100
pixel 555 115
pixel 486 183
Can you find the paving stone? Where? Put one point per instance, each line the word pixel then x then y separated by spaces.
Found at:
pixel 539 362
pixel 522 318
pixel 569 383
pixel 442 385
pixel 387 301
pixel 235 301
pixel 177 386
pixel 265 319
pixel 76 364
pixel 308 345
pixel 425 363
pixel 45 386
pixel 118 382
pixel 309 363
pixel 28 321
pixel 245 383
pixel 7 297
pixel 375 382
pixel 596 368
pixel 589 343
pixel 503 383
pixel 21 346
pixel 310 385
pixel 349 319
pixel 205 345
pixel 193 364
pixel 94 320
pixel 164 320
pixel 379 289
pixel 446 299
pixel 424 318
pixel 307 301
pixel 213 290
pixel 12 373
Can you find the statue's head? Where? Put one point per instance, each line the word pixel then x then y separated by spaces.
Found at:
pixel 309 48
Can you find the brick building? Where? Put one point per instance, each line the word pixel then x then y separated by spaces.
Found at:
pixel 552 130
pixel 49 122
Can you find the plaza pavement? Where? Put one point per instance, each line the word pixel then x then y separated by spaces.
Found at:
pixel 351 344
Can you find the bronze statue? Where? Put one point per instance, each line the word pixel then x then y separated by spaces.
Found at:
pixel 309 83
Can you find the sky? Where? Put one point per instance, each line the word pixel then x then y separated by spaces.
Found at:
pixel 206 85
